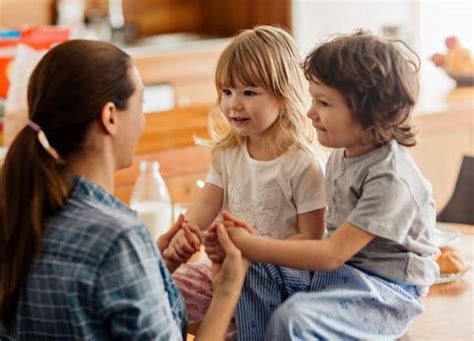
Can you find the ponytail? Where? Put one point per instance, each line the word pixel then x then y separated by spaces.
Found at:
pixel 33 186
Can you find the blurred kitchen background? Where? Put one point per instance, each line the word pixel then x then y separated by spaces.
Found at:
pixel 175 45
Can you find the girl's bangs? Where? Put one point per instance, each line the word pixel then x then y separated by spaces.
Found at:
pixel 234 68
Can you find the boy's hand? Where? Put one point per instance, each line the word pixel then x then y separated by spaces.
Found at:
pixel 184 243
pixel 229 219
pixel 237 234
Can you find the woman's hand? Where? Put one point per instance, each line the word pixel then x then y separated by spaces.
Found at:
pixel 229 275
pixel 228 278
pixel 184 243
pixel 213 249
pixel 164 240
pixel 236 228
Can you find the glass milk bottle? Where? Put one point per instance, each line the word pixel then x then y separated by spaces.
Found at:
pixel 151 199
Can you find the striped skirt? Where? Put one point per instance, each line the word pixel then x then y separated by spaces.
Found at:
pixel 286 304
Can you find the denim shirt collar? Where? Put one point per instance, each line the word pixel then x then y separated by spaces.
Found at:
pixel 84 188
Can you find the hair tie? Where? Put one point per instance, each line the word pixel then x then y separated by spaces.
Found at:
pixel 43 139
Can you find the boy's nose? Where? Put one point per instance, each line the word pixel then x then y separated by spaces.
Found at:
pixel 312 114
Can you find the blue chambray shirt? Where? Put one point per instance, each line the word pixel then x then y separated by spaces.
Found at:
pixel 100 276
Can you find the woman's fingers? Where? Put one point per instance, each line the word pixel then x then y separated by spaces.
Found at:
pixel 164 240
pixel 225 242
pixel 216 258
pixel 175 228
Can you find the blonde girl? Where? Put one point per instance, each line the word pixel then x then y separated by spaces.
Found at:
pixel 265 168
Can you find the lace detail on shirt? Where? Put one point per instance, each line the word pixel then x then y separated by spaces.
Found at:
pixel 261 213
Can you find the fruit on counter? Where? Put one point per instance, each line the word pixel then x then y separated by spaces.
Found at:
pixel 457 61
pixel 451 262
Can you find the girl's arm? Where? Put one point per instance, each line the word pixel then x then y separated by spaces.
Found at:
pixel 206 206
pixel 201 214
pixel 327 254
pixel 311 225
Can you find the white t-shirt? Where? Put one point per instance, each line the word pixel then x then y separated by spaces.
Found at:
pixel 270 194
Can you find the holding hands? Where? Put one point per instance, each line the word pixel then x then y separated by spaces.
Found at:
pixel 184 243
pixel 184 239
pixel 236 229
pixel 179 243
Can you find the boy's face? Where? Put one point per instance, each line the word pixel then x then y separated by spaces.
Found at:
pixel 333 120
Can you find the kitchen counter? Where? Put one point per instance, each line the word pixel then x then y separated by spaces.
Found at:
pixel 449 313
pixel 172 43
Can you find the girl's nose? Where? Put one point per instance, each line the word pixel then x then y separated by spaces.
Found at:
pixel 235 103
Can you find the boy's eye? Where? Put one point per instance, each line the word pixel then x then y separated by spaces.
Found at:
pixel 226 92
pixel 249 93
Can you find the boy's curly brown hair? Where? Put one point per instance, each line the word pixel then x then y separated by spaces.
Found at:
pixel 377 79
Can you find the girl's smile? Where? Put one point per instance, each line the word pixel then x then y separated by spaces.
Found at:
pixel 251 110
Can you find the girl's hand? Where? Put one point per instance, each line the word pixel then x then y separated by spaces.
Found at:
pixel 229 275
pixel 184 243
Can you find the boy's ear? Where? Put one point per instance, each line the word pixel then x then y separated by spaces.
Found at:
pixel 109 118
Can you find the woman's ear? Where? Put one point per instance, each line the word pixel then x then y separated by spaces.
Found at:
pixel 109 118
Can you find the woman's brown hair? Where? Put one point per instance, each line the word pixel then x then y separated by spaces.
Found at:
pixel 66 93
pixel 377 79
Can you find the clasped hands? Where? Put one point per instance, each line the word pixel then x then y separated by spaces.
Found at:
pixel 220 239
pixel 186 238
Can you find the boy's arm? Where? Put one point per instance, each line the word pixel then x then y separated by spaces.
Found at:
pixel 206 206
pixel 327 254
pixel 311 225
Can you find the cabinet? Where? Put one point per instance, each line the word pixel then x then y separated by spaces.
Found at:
pixel 169 139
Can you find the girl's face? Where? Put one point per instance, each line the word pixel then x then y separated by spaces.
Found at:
pixel 333 120
pixel 249 110
pixel 132 123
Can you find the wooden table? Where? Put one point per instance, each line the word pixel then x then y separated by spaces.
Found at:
pixel 449 311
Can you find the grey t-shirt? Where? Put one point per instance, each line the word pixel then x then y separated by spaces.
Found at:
pixel 384 193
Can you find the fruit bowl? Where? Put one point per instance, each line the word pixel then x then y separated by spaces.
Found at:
pixel 457 62
pixel 462 80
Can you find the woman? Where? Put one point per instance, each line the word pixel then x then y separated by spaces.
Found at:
pixel 75 262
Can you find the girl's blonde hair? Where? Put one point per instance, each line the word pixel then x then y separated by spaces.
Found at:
pixel 266 57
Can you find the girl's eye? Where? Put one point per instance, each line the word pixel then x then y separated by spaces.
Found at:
pixel 226 92
pixel 249 93
pixel 323 103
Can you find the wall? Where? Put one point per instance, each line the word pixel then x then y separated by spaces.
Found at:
pixel 314 20
pixel 33 12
